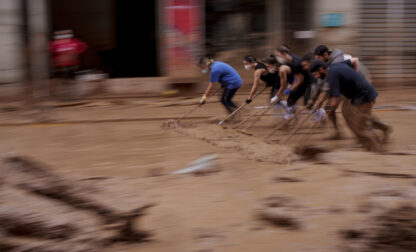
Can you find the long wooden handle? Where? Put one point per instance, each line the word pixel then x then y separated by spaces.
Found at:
pixel 248 118
pixel 304 140
pixel 264 112
pixel 190 111
pixel 233 113
pixel 194 108
pixel 239 108
pixel 284 122
pixel 259 115
pixel 261 91
pixel 296 128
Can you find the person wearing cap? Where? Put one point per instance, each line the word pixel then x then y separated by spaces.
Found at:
pixel 361 95
pixel 227 76
pixel 323 54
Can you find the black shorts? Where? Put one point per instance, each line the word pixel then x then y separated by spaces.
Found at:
pixel 275 88
pixel 296 94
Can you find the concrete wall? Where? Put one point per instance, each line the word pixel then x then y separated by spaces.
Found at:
pixel 11 43
pixel 274 13
pixel 343 37
pixel 38 46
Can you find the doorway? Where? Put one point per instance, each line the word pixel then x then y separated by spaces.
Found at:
pixel 121 35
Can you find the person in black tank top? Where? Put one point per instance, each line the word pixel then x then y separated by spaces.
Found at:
pixel 260 73
pixel 291 68
pixel 272 79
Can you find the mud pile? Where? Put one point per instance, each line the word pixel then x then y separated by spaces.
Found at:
pixel 250 147
pixel 281 212
pixel 44 211
pixel 393 230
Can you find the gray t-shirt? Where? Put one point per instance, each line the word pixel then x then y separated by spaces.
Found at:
pixel 336 56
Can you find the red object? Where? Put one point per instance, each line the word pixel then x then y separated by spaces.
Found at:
pixel 65 52
pixel 182 35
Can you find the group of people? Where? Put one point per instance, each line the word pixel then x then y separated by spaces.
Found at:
pixel 322 76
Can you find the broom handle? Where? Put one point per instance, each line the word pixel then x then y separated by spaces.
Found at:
pixel 296 128
pixel 304 140
pixel 261 114
pixel 245 120
pixel 194 108
pixel 284 122
pixel 241 107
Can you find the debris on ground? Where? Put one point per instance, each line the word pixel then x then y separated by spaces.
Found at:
pixel 309 152
pixel 280 212
pixel 250 147
pixel 393 230
pixel 287 179
pixel 203 165
pixel 55 213
pixel 381 174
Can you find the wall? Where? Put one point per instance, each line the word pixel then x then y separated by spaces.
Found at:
pixel 94 24
pixel 38 46
pixel 343 37
pixel 11 44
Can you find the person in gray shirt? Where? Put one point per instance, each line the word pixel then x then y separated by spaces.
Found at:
pixel 329 57
pixel 323 54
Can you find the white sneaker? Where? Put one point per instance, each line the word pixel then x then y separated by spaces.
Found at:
pixel 287 116
pixel 291 109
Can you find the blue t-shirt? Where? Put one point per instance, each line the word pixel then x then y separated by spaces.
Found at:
pixel 225 74
pixel 343 79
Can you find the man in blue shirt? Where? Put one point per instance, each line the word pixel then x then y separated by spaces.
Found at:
pixel 361 97
pixel 224 74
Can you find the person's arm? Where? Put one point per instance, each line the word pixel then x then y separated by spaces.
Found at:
pixel 284 71
pixel 333 104
pixel 321 99
pixel 355 63
pixel 334 92
pixel 256 82
pixel 206 93
pixel 298 80
pixel 214 77
pixel 209 88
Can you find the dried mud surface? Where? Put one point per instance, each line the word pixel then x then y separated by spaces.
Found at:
pixel 111 186
pixel 252 148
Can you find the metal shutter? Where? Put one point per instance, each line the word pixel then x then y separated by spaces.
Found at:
pixel 387 40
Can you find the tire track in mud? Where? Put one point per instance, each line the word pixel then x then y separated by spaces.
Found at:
pixel 250 147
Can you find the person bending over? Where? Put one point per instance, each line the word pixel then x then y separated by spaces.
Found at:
pixel 224 74
pixel 361 97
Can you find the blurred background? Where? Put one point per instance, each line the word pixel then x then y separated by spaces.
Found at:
pixel 163 39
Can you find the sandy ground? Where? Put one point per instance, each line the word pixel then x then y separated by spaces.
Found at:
pixel 132 162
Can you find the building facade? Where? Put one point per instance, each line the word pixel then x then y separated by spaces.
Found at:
pixel 165 37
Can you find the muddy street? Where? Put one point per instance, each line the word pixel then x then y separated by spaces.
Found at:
pixel 118 155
